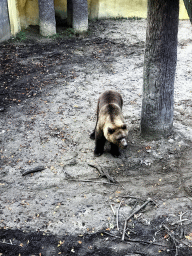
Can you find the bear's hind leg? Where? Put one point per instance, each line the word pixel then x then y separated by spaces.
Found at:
pixel 114 150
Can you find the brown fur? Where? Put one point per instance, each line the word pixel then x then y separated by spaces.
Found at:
pixel 110 123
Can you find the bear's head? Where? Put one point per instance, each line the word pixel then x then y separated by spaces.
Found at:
pixel 117 135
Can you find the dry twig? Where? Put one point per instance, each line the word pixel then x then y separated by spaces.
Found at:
pixel 175 241
pixel 6 242
pixel 179 222
pixel 94 181
pixel 134 197
pixel 32 170
pixel 117 215
pixel 136 241
pixel 113 210
pixel 135 212
pixel 180 217
pixel 103 173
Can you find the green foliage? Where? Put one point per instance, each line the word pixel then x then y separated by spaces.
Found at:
pixel 33 33
pixel 122 18
pixel 21 36
pixel 56 36
pixel 69 32
pixel 134 18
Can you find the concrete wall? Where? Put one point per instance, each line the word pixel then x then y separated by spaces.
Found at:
pixel 129 8
pixel 122 8
pixel 14 17
pixel 26 12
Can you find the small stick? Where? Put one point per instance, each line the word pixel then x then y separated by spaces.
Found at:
pixel 6 243
pixel 131 230
pixel 112 209
pixel 182 231
pixel 103 173
pixel 124 230
pixel 32 170
pixel 135 212
pixel 94 181
pixel 179 221
pixel 117 216
pixel 135 241
pixel 173 238
pixel 97 167
pixel 134 197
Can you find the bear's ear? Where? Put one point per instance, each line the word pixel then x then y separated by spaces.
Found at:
pixel 124 126
pixel 110 130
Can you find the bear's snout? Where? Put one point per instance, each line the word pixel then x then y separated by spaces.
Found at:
pixel 123 143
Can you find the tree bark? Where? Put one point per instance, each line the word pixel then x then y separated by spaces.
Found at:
pixel 159 68
pixel 47 21
pixel 5 32
pixel 77 15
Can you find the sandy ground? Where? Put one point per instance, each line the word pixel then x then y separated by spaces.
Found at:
pixel 49 91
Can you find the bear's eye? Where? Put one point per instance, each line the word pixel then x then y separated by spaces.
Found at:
pixel 111 131
pixel 124 126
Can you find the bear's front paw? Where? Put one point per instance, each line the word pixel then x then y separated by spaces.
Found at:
pixel 97 153
pixel 115 153
pixel 115 150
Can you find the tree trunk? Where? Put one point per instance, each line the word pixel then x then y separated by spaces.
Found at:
pixel 77 15
pixel 70 13
pixel 159 68
pixel 47 21
pixel 188 6
pixel 5 32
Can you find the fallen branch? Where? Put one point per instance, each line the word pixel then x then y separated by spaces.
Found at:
pixel 93 181
pixel 136 253
pixel 179 222
pixel 103 173
pixel 124 230
pixel 130 230
pixel 136 241
pixel 135 212
pixel 32 170
pixel 175 241
pixel 6 242
pixel 181 231
pixel 71 178
pixel 134 197
pixel 112 210
pixel 117 216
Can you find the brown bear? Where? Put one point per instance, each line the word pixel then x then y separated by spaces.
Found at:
pixel 110 124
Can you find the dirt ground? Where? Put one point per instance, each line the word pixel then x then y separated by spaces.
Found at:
pixel 77 204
